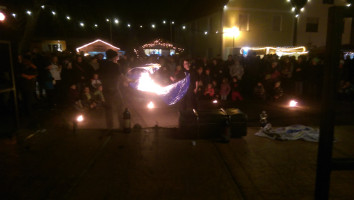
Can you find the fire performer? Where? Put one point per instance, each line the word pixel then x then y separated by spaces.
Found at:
pixel 189 101
pixel 110 73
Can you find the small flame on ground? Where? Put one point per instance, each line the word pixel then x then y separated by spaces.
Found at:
pixel 215 101
pixel 292 103
pixel 80 118
pixel 151 105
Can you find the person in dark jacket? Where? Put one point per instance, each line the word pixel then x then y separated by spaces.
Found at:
pixel 109 73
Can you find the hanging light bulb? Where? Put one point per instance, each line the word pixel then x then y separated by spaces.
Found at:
pixel 42 6
pixel 29 12
pixel 82 24
pixel 116 21
pixel 54 13
pixel 172 22
pixel 152 25
pixel 107 20
pixel 141 26
pixel 68 17
pixel 164 21
pixel 128 25
pixel 183 27
pixel 95 25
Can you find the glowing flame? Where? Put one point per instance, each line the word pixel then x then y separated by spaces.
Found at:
pixel 292 103
pixel 80 118
pixel 147 84
pixel 151 105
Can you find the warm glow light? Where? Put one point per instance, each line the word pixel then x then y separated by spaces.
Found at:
pixel 164 22
pixel 172 22
pixel 78 49
pixel 225 6
pixel 54 13
pixel 205 32
pixel 302 9
pixel 151 105
pixel 293 9
pixel 349 4
pixel 29 12
pixel 42 6
pixel 216 32
pixel 14 15
pixel 297 15
pixel 2 17
pixel 95 25
pixel 153 26
pixel 183 27
pixel 278 50
pixel 215 101
pixel 80 118
pixel 116 21
pixel 292 103
pixel 141 26
pixel 128 25
pixel 68 17
pixel 146 84
pixel 107 20
pixel 82 24
pixel 288 0
pixel 232 32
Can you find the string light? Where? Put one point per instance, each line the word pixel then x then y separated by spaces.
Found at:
pixel 160 44
pixel 42 6
pixel 82 24
pixel 95 25
pixel 293 9
pixel 141 26
pixel 116 21
pixel 172 22
pixel 183 27
pixel 29 12
pixel 107 20
pixel 54 13
pixel 225 6
pixel 98 40
pixel 164 21
pixel 128 25
pixel 302 9
pixel 216 32
pixel 152 25
pixel 297 15
pixel 68 18
pixel 14 15
pixel 205 32
pixel 349 4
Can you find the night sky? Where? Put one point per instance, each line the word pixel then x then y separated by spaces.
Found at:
pixel 93 11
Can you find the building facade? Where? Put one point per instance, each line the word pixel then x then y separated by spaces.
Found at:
pixel 312 24
pixel 258 23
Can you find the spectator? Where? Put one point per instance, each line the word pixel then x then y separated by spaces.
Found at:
pixel 235 90
pixel 277 91
pixel 87 99
pixel 209 91
pixel 224 89
pixel 259 91
pixel 95 82
pixel 298 76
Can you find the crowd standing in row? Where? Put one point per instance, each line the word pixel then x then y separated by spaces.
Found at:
pixel 74 80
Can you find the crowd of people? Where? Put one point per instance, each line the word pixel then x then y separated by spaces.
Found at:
pixel 68 79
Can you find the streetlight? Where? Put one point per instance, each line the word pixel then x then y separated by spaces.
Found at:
pixel 232 32
pixel 2 17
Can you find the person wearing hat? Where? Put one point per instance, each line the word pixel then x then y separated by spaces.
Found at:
pixel 109 73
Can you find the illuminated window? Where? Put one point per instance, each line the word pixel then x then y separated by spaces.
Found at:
pixel 243 21
pixel 312 24
pixel 277 23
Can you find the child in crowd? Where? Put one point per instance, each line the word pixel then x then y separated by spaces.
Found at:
pixel 209 91
pixel 235 90
pixel 95 82
pixel 87 99
pixel 98 96
pixel 74 97
pixel 277 91
pixel 224 89
pixel 259 91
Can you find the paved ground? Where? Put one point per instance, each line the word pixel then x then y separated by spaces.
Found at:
pixel 155 163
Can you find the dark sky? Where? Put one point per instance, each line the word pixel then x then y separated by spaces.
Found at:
pixel 96 11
